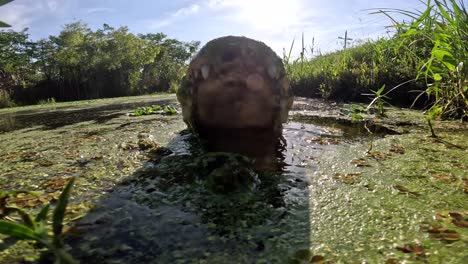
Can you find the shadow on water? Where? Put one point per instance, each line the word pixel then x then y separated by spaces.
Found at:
pixel 182 209
pixel 59 117
pixel 192 206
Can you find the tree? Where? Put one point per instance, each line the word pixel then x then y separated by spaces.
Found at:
pixel 80 63
pixel 170 64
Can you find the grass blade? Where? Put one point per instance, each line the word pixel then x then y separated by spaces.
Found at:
pixel 18 231
pixel 59 212
pixel 443 12
pixel 42 216
pixel 290 51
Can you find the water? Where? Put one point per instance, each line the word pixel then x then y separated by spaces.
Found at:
pixel 336 189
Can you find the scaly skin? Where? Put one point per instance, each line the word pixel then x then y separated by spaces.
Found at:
pixel 235 83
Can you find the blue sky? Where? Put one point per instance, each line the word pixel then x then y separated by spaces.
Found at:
pixel 275 22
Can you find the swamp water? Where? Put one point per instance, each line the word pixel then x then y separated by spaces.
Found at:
pixel 147 193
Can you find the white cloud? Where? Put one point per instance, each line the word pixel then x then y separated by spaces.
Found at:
pixel 172 18
pixel 100 10
pixel 274 16
pixel 22 14
pixel 16 15
pixel 52 4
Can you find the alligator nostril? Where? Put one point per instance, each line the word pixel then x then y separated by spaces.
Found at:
pixel 255 82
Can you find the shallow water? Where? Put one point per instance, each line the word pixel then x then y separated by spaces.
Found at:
pixel 344 193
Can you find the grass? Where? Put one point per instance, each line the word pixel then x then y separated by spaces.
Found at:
pixel 350 73
pixel 442 28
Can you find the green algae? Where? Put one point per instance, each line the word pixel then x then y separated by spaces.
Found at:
pixel 344 195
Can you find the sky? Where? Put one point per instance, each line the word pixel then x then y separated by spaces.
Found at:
pixel 275 22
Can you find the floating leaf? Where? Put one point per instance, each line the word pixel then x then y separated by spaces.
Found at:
pixel 397 149
pixel 317 259
pixel 378 155
pixel 348 178
pixel 447 236
pixel 463 223
pixel 360 162
pixel 44 162
pixel 324 141
pixel 404 189
pixel 459 219
pixel 23 200
pixel 442 233
pixel 55 184
pixel 415 249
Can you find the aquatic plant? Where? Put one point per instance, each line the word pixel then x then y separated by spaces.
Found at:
pixel 36 229
pixel 155 109
pixel 379 101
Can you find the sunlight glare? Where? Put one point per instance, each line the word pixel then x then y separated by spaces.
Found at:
pixel 272 15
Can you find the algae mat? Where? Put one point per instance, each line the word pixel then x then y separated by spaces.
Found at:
pixel 343 195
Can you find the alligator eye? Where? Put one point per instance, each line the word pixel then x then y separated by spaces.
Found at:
pixel 205 71
pixel 273 71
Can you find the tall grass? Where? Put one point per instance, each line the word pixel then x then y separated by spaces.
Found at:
pixel 443 29
pixel 428 54
pixel 350 73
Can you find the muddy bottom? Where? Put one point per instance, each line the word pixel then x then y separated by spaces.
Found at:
pixel 344 191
